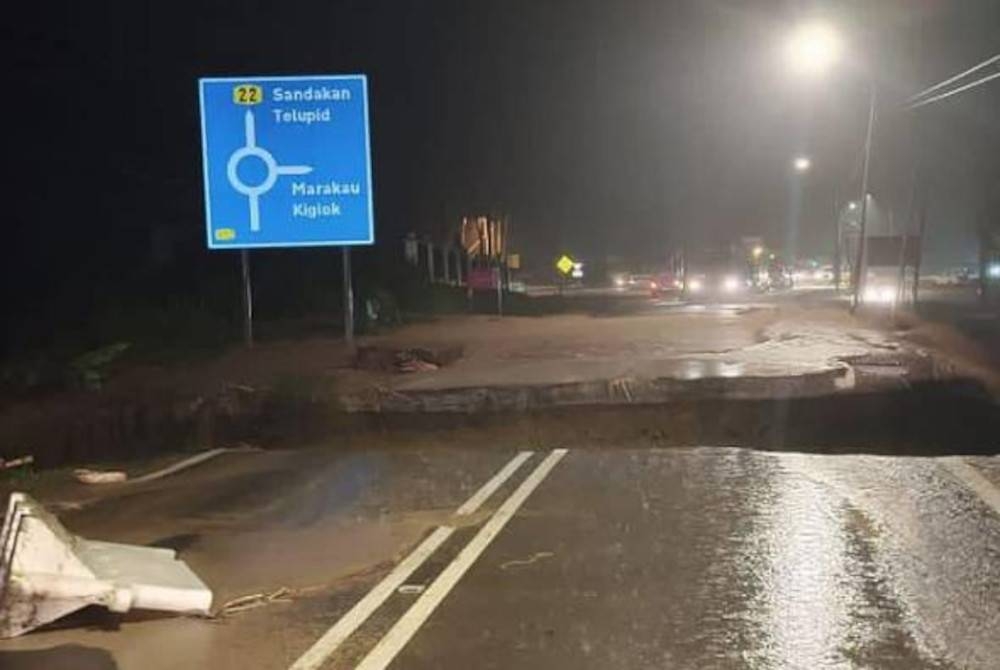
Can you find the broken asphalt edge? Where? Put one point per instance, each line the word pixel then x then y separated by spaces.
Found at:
pixel 621 391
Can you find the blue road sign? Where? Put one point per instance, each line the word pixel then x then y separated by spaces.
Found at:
pixel 287 161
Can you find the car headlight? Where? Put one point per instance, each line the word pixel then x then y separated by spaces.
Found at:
pixel 694 285
pixel 731 283
pixel 880 294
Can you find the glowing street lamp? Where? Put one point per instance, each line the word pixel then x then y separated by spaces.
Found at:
pixel 802 164
pixel 813 48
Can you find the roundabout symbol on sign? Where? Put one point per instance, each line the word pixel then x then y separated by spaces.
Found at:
pixel 251 150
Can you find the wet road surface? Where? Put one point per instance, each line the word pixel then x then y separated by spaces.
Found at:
pixel 752 343
pixel 628 558
pixel 730 558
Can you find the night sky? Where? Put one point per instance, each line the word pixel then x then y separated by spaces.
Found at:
pixel 599 127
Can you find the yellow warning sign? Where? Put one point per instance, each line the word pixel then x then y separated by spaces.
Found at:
pixel 565 264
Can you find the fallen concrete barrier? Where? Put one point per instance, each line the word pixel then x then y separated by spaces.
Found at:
pixel 46 572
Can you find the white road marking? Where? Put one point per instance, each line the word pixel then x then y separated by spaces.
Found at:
pixel 401 633
pixel 316 655
pixel 321 650
pixel 184 464
pixel 490 487
pixel 973 479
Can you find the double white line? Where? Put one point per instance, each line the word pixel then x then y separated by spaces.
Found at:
pixel 972 478
pixel 404 629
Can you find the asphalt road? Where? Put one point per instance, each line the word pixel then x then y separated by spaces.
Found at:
pixel 484 548
pixel 706 558
pixel 633 558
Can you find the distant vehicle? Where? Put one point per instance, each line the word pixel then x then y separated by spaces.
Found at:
pixel 640 281
pixel 823 274
pixel 958 276
pixel 814 277
pixel 714 273
pixel 665 283
pixel 885 285
pixel 778 277
pixel 881 286
pixel 964 276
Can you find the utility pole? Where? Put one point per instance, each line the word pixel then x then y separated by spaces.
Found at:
pixel 859 269
pixel 836 241
pixel 922 230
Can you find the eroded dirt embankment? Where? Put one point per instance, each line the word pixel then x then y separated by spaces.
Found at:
pixel 887 398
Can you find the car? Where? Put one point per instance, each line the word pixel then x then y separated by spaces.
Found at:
pixel 665 283
pixel 778 278
pixel 715 282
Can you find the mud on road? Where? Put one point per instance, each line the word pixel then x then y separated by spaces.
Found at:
pixel 755 365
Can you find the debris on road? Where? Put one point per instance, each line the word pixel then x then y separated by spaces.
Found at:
pixel 86 476
pixel 620 387
pixel 411 589
pixel 415 365
pixel 516 563
pixel 412 359
pixel 46 572
pixel 255 600
pixel 186 463
pixel 16 462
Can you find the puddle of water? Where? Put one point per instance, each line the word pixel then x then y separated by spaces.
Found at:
pixel 821 597
pixel 707 368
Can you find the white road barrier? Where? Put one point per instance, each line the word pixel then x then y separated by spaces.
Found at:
pixel 47 572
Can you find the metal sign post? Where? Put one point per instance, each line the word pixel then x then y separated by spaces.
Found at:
pixel 287 163
pixel 499 281
pixel 247 298
pixel 348 297
pixel 565 266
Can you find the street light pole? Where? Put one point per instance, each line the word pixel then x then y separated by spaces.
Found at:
pixel 859 270
pixel 837 261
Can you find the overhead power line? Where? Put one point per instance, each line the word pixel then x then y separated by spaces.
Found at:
pixel 915 101
pixel 978 82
